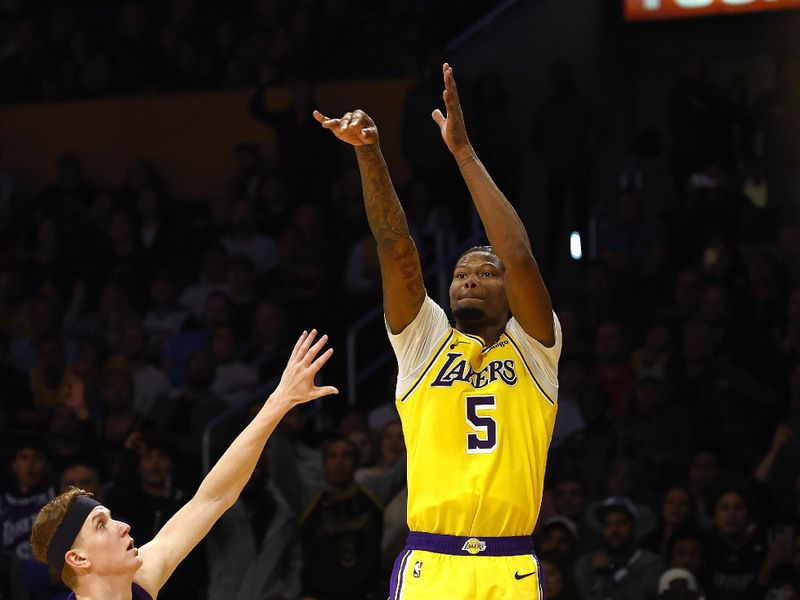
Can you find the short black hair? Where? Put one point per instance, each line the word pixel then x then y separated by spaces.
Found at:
pixel 487 249
pixel 336 439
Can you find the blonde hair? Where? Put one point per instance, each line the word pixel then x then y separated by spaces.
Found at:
pixel 47 522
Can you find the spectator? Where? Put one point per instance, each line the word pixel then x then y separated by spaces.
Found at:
pixel 147 498
pixel 558 539
pixel 213 270
pixel 737 550
pixel 612 370
pixel 620 569
pixel 676 513
pixel 687 549
pixel 353 569
pixel 267 340
pixel 704 479
pixel 186 413
pixel 244 240
pixel 678 584
pixel 254 550
pixel 557 580
pixel 234 381
pixel 165 318
pixel 49 381
pixel 150 383
pixel 30 489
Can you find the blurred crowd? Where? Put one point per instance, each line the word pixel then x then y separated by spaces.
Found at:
pixel 139 330
pixel 93 48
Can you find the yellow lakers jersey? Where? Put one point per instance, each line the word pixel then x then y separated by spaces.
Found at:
pixel 477 423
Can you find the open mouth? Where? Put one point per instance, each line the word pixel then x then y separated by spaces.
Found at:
pixel 130 545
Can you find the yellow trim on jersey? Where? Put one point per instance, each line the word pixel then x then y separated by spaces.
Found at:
pixel 311 506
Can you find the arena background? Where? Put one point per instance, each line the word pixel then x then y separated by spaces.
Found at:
pixel 171 217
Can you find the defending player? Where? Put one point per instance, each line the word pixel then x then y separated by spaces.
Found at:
pixel 478 401
pixel 95 554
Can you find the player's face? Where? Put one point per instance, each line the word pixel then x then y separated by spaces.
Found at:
pixel 477 293
pixel 617 530
pixel 107 544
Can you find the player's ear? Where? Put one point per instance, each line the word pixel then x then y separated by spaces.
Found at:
pixel 77 559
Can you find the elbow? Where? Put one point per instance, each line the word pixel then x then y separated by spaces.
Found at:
pixel 516 257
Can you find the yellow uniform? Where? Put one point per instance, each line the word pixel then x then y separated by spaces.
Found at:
pixel 478 423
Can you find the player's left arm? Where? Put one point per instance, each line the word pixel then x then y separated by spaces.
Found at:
pixel 527 294
pixel 223 484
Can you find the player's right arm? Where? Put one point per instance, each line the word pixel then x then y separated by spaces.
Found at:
pixel 401 273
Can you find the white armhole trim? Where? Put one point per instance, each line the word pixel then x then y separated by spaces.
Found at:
pixel 542 360
pixel 416 344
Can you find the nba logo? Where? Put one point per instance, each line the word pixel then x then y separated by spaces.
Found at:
pixel 417 569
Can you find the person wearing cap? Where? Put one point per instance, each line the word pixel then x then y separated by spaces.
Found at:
pixel 620 569
pixel 558 537
pixel 96 555
pixel 678 584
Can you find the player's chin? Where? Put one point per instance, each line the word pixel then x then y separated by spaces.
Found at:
pixel 468 311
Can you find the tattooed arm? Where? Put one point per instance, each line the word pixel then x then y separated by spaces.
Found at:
pixel 403 287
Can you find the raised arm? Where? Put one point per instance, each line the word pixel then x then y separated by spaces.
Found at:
pixel 403 287
pixel 527 294
pixel 223 484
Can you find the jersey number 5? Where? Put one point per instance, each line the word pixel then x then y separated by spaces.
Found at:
pixel 484 439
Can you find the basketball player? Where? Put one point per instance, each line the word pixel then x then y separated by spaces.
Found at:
pixel 478 400
pixel 95 554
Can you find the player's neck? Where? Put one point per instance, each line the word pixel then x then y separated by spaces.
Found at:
pixel 488 332
pixel 105 588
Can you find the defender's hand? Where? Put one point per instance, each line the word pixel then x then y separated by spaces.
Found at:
pixel 454 132
pixel 297 382
pixel 355 128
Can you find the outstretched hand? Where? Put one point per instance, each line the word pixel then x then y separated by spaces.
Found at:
pixel 451 125
pixel 297 381
pixel 355 128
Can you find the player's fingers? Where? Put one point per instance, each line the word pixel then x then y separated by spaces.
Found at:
pixel 314 350
pixel 297 344
pixel 331 123
pixel 369 133
pixel 326 390
pixel 320 117
pixel 344 122
pixel 438 117
pixel 318 364
pixel 356 119
pixel 301 354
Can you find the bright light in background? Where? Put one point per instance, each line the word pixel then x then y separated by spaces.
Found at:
pixel 575 245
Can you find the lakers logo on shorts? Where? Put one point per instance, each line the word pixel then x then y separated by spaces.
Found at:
pixel 474 545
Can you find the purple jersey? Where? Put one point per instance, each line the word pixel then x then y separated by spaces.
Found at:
pixel 17 514
pixel 137 593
